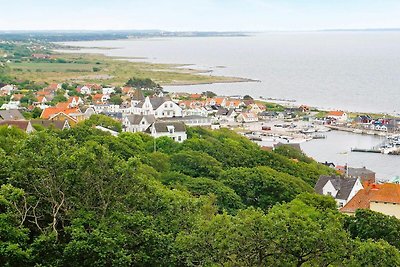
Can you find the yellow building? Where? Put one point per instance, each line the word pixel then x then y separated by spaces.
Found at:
pixel 383 198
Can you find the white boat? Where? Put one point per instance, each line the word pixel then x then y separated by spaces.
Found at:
pixel 357 131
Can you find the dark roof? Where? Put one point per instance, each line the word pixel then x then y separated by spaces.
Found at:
pixel 156 101
pixel 162 127
pixel 357 172
pixel 23 125
pixel 51 124
pixel 138 95
pixel 136 119
pixel 12 114
pixel 343 185
pixel 222 112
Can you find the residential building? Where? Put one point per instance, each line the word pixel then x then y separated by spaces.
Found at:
pixel 137 123
pixel 174 130
pixel 247 117
pixel 191 120
pixel 11 114
pixel 25 126
pixel 160 107
pixel 383 198
pixel 339 116
pixel 340 188
pixel 60 125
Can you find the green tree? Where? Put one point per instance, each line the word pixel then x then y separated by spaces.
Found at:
pixel 116 100
pixel 196 164
pixel 262 186
pixel 104 121
pixel 368 224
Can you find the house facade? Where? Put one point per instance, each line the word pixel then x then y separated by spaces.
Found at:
pixel 340 188
pixel 174 130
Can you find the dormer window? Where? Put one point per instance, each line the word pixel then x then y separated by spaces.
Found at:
pixel 171 129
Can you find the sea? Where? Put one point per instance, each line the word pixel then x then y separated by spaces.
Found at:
pixel 345 70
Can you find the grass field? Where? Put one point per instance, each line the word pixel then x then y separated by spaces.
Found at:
pixel 109 71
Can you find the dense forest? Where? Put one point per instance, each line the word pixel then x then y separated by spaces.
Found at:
pixel 82 197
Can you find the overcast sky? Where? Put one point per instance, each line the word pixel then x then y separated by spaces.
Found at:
pixel 182 15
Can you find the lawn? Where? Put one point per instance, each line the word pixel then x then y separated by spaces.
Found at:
pixel 101 69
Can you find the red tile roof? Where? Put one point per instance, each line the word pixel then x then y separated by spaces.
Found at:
pixel 335 113
pixel 374 192
pixel 51 111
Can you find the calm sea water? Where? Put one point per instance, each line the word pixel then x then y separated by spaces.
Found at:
pixel 357 71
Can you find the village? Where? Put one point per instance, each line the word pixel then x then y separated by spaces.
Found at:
pixel 169 114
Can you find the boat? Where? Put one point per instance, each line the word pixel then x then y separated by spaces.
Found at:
pixel 307 131
pixel 357 131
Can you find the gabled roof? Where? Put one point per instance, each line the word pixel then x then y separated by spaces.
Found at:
pixel 23 125
pixel 335 113
pixel 52 111
pixel 162 127
pixel 344 186
pixel 61 125
pixel 138 95
pixel 136 119
pixel 389 193
pixel 358 172
pixel 12 114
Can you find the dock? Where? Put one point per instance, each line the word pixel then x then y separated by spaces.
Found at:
pixel 366 150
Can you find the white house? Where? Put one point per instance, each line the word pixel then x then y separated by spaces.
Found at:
pixel 137 123
pixel 224 115
pixel 108 91
pixel 340 116
pixel 340 188
pixel 75 101
pixel 85 90
pixel 247 117
pixel 160 107
pixel 7 89
pixel 11 105
pixel 174 130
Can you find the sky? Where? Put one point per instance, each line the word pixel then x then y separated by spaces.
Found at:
pixel 199 15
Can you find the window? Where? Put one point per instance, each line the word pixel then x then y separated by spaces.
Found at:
pixel 170 105
pixel 329 193
pixel 179 138
pixel 166 105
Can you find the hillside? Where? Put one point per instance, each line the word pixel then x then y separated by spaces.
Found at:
pixel 82 197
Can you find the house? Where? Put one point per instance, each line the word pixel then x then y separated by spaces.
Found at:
pixel 247 117
pixel 363 119
pixel 160 107
pixel 17 97
pixel 7 89
pixel 174 130
pixel 136 96
pixel 73 115
pixel 11 115
pixel 25 126
pixel 11 105
pixel 100 98
pixel 267 115
pixel 339 116
pixel 304 109
pixel 256 108
pixel 84 90
pixel 74 101
pixel 60 125
pixel 191 120
pixel 224 115
pixel 340 188
pixel 383 198
pixel 108 90
pixel 137 123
